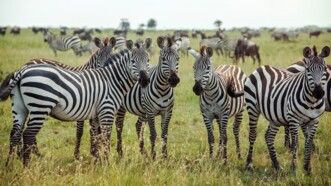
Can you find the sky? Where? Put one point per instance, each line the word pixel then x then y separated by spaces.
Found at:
pixel 169 14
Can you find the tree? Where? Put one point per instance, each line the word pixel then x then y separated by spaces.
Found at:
pixel 151 24
pixel 218 23
pixel 142 25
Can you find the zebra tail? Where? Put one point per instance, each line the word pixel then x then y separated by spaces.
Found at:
pixel 231 90
pixel 6 87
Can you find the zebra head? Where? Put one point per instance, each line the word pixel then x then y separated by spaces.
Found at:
pixel 316 70
pixel 140 60
pixel 105 50
pixel 202 68
pixel 168 60
pixel 47 36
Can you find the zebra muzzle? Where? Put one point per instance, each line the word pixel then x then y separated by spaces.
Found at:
pixel 173 79
pixel 143 79
pixel 197 89
pixel 318 92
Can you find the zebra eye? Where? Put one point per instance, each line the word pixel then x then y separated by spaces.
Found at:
pixel 164 59
pixel 177 58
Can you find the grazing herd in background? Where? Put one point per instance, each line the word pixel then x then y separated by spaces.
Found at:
pixel 111 84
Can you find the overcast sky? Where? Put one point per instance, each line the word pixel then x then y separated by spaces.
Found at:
pixel 178 14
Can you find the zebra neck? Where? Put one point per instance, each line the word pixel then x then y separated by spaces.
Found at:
pixel 213 86
pixel 119 75
pixel 306 93
pixel 161 78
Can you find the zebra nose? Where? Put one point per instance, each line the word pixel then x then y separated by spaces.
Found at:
pixel 173 79
pixel 143 78
pixel 318 91
pixel 197 89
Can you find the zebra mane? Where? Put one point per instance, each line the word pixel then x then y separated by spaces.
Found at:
pixel 202 50
pixel 315 50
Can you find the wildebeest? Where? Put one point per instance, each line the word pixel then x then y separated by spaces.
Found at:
pixel 38 29
pixel 244 48
pixel 3 30
pixel 280 36
pixel 15 30
pixel 140 32
pixel 315 33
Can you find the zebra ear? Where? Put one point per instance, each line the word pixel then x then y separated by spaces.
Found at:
pixel 193 52
pixel 148 43
pixel 129 44
pixel 306 52
pixel 209 51
pixel 112 41
pixel 98 42
pixel 160 41
pixel 325 52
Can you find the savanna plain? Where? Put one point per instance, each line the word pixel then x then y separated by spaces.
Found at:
pixel 188 162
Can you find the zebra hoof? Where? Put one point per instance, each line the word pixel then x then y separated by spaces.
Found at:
pixel 249 168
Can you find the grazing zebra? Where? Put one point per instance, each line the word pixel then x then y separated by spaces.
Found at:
pixel 183 43
pixel 41 90
pixel 89 47
pixel 97 60
pixel 63 43
pixel 215 43
pixel 299 67
pixel 287 99
pixel 218 98
pixel 156 99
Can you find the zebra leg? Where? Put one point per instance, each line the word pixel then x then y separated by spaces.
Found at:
pixel 140 134
pixel 119 128
pixel 270 139
pixel 164 125
pixel 19 113
pixel 95 133
pixel 305 132
pixel 151 123
pixel 222 123
pixel 236 129
pixel 35 149
pixel 309 141
pixel 55 52
pixel 106 126
pixel 79 134
pixel 211 140
pixel 294 144
pixel 34 125
pixel 287 142
pixel 253 119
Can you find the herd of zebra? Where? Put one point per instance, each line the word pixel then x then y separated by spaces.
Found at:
pixel 110 84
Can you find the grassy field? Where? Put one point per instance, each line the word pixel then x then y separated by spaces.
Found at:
pixel 188 162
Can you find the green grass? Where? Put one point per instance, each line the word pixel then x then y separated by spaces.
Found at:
pixel 188 162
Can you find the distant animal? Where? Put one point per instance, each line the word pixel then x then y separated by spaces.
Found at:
pixel 63 31
pixel 3 31
pixel 287 99
pixel 245 47
pixel 221 93
pixel 89 47
pixel 36 30
pixel 315 33
pixel 63 43
pixel 140 32
pixel 215 43
pixel 15 31
pixel 280 36
pixel 120 42
pixel 182 44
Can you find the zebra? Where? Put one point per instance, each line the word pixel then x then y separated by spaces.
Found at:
pixel 299 67
pixel 41 90
pixel 215 43
pixel 218 97
pixel 63 43
pixel 183 43
pixel 97 60
pixel 89 47
pixel 287 99
pixel 156 99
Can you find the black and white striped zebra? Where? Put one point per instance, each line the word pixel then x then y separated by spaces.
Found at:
pixel 120 42
pixel 156 99
pixel 287 99
pixel 41 90
pixel 299 67
pixel 97 60
pixel 63 43
pixel 218 97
